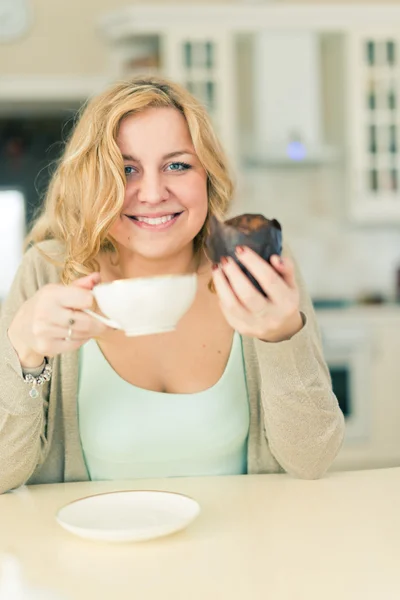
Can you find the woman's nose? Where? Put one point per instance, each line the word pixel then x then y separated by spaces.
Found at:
pixel 152 190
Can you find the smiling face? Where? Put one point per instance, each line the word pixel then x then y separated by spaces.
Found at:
pixel 166 200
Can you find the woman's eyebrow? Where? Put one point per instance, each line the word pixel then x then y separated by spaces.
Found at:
pixel 166 156
pixel 178 153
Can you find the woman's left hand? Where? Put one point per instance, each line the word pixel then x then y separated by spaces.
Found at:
pixel 273 319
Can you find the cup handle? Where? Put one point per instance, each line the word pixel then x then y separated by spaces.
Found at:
pixel 104 320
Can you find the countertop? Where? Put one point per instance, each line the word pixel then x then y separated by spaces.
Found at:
pixel 257 537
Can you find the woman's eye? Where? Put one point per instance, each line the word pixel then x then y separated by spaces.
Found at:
pixel 129 170
pixel 179 166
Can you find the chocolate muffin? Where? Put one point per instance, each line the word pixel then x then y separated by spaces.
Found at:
pixel 262 235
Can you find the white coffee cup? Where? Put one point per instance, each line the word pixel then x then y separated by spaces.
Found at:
pixel 146 305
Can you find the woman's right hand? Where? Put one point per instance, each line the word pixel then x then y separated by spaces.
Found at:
pixel 41 326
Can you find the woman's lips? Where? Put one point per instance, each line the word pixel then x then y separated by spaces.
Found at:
pixel 155 223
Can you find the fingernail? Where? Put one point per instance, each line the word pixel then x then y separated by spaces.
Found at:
pixel 224 261
pixel 281 260
pixel 239 249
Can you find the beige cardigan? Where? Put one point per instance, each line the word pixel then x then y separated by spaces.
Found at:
pixel 295 421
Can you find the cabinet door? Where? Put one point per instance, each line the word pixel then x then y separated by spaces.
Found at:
pixel 374 125
pixel 203 62
pixel 378 386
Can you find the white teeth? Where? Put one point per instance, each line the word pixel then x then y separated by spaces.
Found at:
pixel 157 221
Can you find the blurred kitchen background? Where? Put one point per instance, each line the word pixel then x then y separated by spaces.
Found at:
pixel 306 98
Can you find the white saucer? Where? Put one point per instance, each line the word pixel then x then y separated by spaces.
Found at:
pixel 128 516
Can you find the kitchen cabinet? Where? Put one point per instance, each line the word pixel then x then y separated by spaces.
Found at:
pixel 199 57
pixel 374 125
pixel 202 47
pixel 202 61
pixel 365 340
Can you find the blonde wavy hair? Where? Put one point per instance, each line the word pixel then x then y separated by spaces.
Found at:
pixel 86 192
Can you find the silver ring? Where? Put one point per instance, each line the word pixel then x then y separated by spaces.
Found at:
pixel 71 322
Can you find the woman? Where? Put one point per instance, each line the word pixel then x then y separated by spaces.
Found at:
pixel 241 386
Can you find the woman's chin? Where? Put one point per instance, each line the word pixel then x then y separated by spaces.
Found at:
pixel 153 253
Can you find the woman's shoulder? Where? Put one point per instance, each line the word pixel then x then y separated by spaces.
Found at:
pixel 41 264
pixel 50 249
pixel 46 258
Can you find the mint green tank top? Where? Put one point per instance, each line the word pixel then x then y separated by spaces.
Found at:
pixel 128 432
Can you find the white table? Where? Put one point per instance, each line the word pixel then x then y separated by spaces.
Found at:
pixel 257 537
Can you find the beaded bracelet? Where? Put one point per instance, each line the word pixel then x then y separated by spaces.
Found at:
pixel 44 376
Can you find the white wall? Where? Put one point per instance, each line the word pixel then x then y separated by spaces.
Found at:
pixel 338 258
pixel 12 233
pixel 63 40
